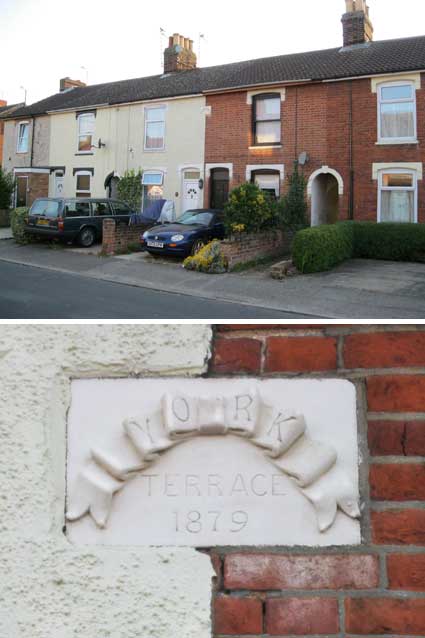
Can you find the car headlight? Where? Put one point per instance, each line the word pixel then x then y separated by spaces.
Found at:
pixel 145 235
pixel 177 238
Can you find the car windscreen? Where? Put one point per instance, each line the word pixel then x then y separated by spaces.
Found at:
pixel 46 208
pixel 189 218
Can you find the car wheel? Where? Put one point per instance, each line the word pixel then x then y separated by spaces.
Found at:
pixel 198 244
pixel 87 237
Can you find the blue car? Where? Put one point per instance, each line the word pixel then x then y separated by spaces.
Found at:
pixel 187 236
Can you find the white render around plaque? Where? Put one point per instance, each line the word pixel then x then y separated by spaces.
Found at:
pixel 207 462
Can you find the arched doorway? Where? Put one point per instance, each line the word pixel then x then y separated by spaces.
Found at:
pixel 219 187
pixel 325 187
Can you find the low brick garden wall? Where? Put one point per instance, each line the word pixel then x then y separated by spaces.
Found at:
pixel 118 237
pixel 238 250
pixel 247 248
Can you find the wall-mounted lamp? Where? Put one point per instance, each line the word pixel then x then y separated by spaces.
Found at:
pixel 201 184
pixel 100 144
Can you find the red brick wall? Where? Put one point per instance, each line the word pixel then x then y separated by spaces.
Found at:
pixel 117 237
pixel 249 248
pixel 315 119
pixel 377 588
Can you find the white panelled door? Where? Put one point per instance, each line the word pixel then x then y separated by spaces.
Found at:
pixel 59 184
pixel 191 191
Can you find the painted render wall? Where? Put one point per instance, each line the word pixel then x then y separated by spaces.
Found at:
pixel 122 129
pixel 12 159
pixel 48 587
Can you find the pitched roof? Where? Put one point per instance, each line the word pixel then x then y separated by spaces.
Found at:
pixel 373 58
pixel 9 108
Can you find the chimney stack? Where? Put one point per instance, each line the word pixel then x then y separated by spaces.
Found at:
pixel 356 23
pixel 179 55
pixel 67 83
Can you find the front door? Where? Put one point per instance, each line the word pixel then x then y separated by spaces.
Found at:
pixel 59 184
pixel 21 192
pixel 191 191
pixel 219 188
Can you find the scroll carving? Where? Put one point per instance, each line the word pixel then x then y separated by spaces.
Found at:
pixel 282 435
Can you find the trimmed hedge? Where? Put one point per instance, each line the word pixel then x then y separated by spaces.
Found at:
pixel 322 248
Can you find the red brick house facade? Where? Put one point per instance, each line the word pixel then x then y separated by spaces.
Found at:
pixel 352 165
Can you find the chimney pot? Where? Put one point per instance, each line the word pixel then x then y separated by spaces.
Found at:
pixel 357 26
pixel 179 56
pixel 67 83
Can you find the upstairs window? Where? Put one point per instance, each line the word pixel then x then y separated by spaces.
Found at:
pixel 397 112
pixel 23 137
pixel 266 120
pixel 85 132
pixel 397 196
pixel 155 128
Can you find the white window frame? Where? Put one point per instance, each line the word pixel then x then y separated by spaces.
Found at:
pixel 413 188
pixel 24 123
pixel 381 101
pixel 92 132
pixel 86 194
pixel 151 172
pixel 163 121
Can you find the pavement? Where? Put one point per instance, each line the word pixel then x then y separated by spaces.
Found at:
pixel 358 289
pixel 6 233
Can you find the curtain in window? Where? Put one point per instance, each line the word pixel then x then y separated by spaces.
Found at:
pixel 397 206
pixel 150 194
pixel 397 120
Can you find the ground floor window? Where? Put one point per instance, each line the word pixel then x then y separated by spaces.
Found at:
pixel 153 188
pixel 268 182
pixel 397 196
pixel 83 187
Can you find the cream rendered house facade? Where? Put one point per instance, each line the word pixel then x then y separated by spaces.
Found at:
pixel 93 147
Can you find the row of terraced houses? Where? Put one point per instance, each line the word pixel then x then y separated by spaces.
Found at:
pixel 354 117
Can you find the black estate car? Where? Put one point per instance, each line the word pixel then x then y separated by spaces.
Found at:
pixel 187 235
pixel 74 219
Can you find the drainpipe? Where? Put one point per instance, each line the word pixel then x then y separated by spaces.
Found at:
pixel 32 141
pixel 350 146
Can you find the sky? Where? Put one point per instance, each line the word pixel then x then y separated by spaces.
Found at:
pixel 45 40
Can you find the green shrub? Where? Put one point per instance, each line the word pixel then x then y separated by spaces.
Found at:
pixel 249 210
pixel 323 247
pixel 293 206
pixel 18 218
pixel 130 189
pixel 7 186
pixel 209 259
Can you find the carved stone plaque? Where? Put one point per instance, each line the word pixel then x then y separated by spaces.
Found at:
pixel 204 462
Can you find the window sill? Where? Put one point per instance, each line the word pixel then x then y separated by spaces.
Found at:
pixel 84 153
pixel 22 152
pixel 395 142
pixel 258 147
pixel 154 150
